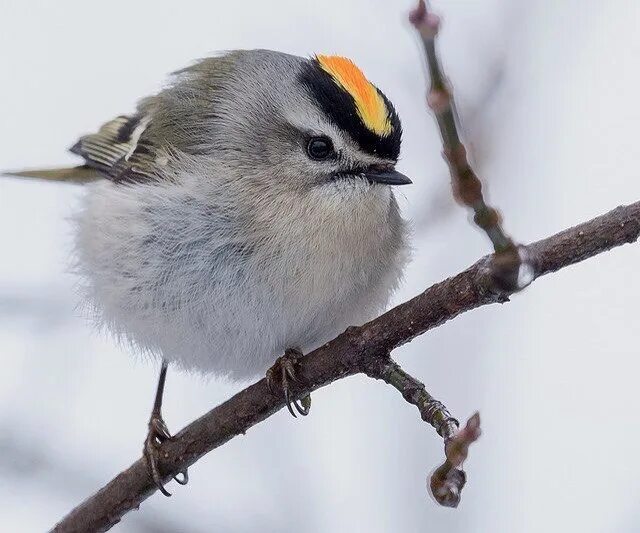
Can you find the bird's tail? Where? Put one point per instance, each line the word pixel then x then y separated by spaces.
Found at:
pixel 79 175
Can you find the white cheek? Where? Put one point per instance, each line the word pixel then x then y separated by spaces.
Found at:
pixel 353 197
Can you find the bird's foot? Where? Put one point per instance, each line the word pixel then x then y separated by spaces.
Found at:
pixel 158 433
pixel 278 376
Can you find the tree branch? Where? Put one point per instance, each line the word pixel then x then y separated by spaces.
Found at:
pixel 357 350
pixel 447 480
pixel 511 267
pixel 467 187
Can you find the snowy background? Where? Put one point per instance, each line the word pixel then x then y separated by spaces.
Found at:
pixel 548 92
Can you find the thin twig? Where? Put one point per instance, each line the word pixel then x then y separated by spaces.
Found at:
pixel 348 354
pixel 413 391
pixel 447 481
pixel 512 269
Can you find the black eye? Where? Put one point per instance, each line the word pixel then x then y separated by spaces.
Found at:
pixel 319 147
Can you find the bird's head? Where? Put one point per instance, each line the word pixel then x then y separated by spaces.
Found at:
pixel 287 126
pixel 301 122
pixel 347 128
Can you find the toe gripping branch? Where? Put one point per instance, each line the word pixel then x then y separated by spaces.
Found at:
pixel 158 433
pixel 280 374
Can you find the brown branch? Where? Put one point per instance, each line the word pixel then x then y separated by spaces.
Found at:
pixel 447 480
pixel 512 268
pixel 354 351
pixel 467 187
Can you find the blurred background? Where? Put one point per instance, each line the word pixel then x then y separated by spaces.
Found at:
pixel 548 94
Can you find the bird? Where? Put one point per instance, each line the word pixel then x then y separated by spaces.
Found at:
pixel 240 217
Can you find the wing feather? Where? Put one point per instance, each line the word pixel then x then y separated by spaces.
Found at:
pixel 119 149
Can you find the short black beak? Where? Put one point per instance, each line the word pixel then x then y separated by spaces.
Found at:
pixel 387 177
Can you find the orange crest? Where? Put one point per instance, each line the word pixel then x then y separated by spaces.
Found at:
pixel 370 105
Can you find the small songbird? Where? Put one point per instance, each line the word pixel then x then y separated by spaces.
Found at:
pixel 242 213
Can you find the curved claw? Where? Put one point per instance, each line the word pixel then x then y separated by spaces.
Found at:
pixel 287 399
pixel 159 433
pixel 284 368
pixel 185 477
pixel 151 455
pixel 301 407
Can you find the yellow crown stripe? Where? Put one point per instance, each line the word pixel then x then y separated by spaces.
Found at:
pixel 370 105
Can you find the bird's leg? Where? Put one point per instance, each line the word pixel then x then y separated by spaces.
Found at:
pixel 278 376
pixel 157 434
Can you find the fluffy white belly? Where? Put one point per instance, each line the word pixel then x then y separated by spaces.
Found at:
pixel 178 279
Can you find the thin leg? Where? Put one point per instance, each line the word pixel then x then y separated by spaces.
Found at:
pixel 283 370
pixel 157 434
pixel 157 404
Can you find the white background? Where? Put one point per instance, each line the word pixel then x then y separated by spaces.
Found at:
pixel 548 92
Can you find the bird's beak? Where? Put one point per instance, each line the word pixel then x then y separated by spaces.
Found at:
pixel 387 177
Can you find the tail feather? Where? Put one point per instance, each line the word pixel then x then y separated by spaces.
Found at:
pixel 79 175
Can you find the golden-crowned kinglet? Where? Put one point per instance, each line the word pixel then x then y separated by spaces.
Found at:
pixel 243 212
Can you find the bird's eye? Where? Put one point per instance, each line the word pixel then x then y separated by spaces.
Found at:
pixel 319 148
